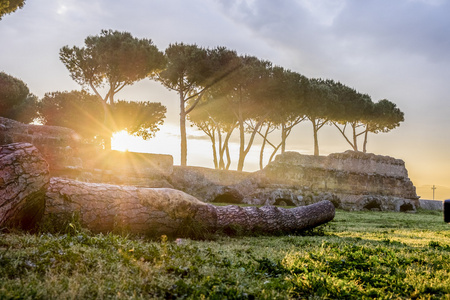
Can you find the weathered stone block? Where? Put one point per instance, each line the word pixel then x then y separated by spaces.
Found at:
pixel 24 177
pixel 113 208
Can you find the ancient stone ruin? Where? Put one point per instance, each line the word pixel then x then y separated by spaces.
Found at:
pixel 29 196
pixel 68 156
pixel 351 180
pixel 83 173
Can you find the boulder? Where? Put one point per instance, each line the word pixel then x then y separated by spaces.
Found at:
pixel 24 176
pixel 431 204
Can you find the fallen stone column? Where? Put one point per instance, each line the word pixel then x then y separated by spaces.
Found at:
pixel 24 176
pixel 274 219
pixel 150 211
pixel 114 208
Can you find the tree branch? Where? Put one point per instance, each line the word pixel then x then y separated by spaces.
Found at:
pixel 342 131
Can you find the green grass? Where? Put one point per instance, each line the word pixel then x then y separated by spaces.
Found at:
pixel 361 255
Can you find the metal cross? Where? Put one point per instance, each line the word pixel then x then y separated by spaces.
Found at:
pixel 433 188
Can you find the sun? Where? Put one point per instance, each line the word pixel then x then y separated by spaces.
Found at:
pixel 166 141
pixel 122 141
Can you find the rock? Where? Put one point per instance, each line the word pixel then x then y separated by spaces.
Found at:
pixel 125 168
pixel 150 211
pixel 24 176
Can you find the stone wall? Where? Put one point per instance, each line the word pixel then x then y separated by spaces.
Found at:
pixel 212 185
pixel 358 180
pixel 432 204
pixel 125 168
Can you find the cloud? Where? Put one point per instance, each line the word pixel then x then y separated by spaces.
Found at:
pixel 324 12
pixel 405 26
pixel 349 30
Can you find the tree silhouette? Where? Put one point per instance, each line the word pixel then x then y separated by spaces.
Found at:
pixel 286 91
pixel 113 59
pixel 218 122
pixel 16 101
pixel 385 117
pixel 10 6
pixel 83 113
pixel 319 106
pixel 354 109
pixel 191 71
pixel 77 110
pixel 138 118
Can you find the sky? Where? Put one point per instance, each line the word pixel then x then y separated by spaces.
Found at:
pixel 396 50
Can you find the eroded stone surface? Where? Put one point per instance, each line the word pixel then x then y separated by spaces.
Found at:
pixel 24 177
pixel 350 180
pixel 358 180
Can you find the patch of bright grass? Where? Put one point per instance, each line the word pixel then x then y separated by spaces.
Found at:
pixel 357 255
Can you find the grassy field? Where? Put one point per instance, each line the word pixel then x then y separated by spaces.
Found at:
pixel 359 255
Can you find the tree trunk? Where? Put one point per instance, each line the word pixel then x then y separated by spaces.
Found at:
pixel 221 149
pixel 227 151
pixel 112 208
pixel 365 140
pixel 241 158
pixel 183 131
pixel 107 142
pixel 243 153
pixel 24 176
pixel 107 126
pixel 263 145
pixel 316 139
pixel 275 150
pixel 213 142
pixel 283 138
pixel 355 138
